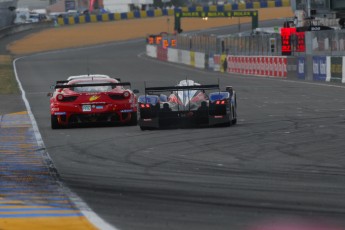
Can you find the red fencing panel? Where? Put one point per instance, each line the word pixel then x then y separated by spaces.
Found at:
pixel 162 54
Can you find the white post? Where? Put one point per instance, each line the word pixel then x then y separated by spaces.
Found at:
pixel 308 8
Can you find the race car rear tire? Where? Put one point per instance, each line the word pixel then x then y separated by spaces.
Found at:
pixel 231 116
pixel 234 116
pixel 143 128
pixel 54 122
pixel 134 119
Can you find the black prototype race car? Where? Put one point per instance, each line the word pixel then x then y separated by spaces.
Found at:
pixel 187 105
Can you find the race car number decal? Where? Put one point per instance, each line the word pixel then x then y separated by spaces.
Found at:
pixel 86 108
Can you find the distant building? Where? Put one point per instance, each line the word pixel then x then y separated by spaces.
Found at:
pixel 318 7
pixel 118 6
pixel 112 6
pixel 322 12
pixel 34 4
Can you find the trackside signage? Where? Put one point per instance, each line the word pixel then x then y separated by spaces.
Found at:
pixel 336 69
pixel 301 68
pixel 217 14
pixel 319 68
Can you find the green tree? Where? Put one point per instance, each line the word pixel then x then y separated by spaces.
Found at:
pixel 176 3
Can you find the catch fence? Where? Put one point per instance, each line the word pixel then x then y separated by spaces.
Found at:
pixel 237 44
pixel 328 42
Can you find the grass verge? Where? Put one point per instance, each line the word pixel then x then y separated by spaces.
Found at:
pixel 8 83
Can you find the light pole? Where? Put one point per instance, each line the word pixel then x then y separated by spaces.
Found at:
pixel 308 8
pixel 239 24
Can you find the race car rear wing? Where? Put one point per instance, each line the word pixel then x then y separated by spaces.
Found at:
pixel 66 81
pixel 62 82
pixel 153 90
pixel 60 86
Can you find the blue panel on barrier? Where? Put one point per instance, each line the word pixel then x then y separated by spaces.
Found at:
pixel 111 17
pixel 319 68
pixel 301 68
pixel 76 20
pixel 206 9
pixel 192 9
pixel 210 62
pixel 99 18
pixel 165 12
pixel 249 5
pixel 137 14
pixel 87 18
pixel 123 15
pixel 279 3
pixel 263 4
pixel 235 6
pixel 65 21
pixel 150 13
pixel 220 8
pixel 177 10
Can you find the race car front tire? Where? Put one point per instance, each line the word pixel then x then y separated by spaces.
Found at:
pixel 54 122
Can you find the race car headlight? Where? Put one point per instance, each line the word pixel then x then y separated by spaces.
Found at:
pixel 59 97
pixel 126 94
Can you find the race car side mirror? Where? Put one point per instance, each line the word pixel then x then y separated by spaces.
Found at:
pixel 135 91
pixel 49 94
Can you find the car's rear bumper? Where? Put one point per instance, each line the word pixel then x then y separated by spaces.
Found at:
pixel 162 122
pixel 110 117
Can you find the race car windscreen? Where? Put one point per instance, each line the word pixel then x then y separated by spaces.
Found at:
pixel 105 88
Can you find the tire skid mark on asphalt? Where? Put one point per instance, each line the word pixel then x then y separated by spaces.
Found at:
pixel 29 194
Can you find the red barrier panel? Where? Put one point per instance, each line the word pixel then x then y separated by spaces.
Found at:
pixel 216 60
pixel 162 54
pixel 257 65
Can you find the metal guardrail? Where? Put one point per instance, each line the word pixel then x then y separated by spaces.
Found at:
pixel 23 27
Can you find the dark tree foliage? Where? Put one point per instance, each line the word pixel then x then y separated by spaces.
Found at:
pixel 176 3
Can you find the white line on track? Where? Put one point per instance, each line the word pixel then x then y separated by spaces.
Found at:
pixel 80 204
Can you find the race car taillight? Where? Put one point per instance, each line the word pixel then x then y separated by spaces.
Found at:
pixel 222 102
pixel 59 97
pixel 126 94
pixel 143 106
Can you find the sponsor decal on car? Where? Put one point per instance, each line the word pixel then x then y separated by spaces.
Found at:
pixel 94 97
pixel 60 113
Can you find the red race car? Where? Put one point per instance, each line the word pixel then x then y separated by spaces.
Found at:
pixel 94 99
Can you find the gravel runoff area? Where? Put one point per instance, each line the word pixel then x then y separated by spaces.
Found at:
pixel 87 34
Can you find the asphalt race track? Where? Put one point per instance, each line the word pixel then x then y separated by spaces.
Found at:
pixel 283 162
